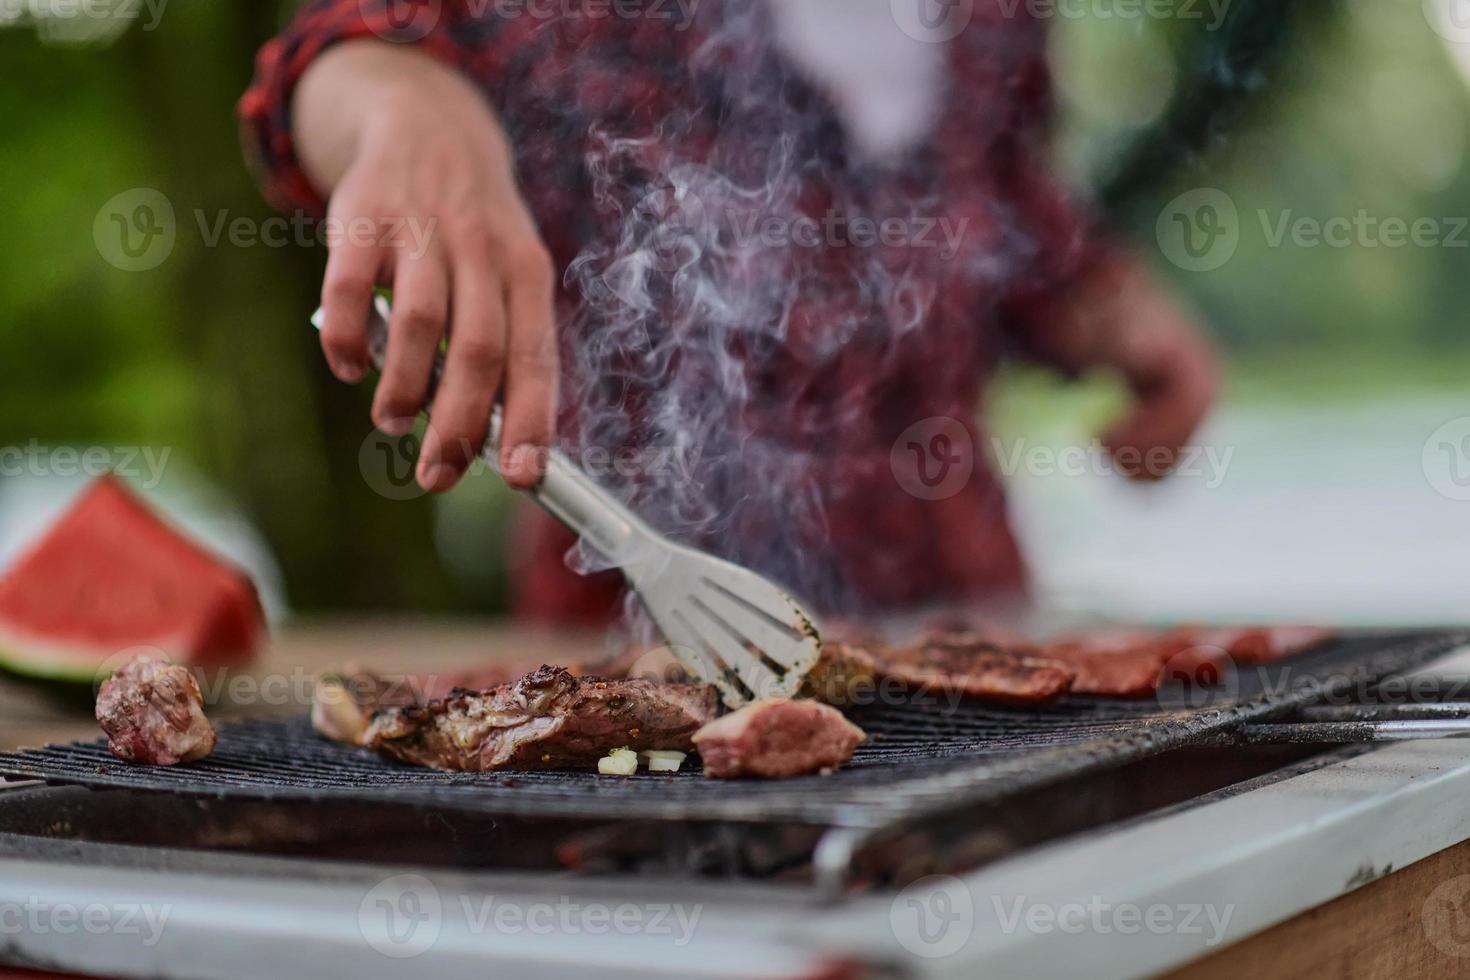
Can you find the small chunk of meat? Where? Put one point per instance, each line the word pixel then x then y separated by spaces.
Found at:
pixel 777 738
pixel 844 674
pixel 153 714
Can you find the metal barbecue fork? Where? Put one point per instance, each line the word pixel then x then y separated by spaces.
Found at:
pixel 727 625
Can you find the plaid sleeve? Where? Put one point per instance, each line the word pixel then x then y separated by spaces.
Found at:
pixel 1062 243
pixel 443 28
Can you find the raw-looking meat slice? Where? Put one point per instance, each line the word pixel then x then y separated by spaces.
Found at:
pixel 153 714
pixel 777 738
pixel 548 719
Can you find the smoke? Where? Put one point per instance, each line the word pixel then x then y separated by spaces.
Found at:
pixel 714 344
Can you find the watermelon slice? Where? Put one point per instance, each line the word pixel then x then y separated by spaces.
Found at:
pixel 112 575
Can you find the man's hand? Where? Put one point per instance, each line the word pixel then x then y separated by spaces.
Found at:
pixel 1125 320
pixel 420 178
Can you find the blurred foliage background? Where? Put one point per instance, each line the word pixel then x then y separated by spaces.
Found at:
pixel 1320 107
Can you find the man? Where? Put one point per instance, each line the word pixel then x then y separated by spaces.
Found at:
pixel 766 251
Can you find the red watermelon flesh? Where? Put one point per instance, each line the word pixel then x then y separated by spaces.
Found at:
pixel 111 575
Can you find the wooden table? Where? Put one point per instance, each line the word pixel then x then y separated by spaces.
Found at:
pixel 280 681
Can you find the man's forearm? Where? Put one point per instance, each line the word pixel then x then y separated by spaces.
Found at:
pixel 348 91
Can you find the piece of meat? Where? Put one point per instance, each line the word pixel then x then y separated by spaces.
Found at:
pixel 1133 663
pixel 344 700
pixel 954 629
pixel 1251 645
pixel 945 666
pixel 981 671
pixel 548 719
pixel 153 714
pixel 1126 672
pixel 973 665
pixel 845 673
pixel 777 738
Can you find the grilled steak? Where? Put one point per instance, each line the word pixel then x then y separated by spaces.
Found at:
pixel 982 671
pixel 344 699
pixel 777 738
pixel 153 713
pixel 846 672
pixel 1133 663
pixel 548 719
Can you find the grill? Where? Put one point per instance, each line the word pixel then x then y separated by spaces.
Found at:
pixel 925 760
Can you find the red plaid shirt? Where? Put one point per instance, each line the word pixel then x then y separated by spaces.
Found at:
pixel 845 523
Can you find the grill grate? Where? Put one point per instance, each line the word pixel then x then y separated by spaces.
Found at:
pixel 920 758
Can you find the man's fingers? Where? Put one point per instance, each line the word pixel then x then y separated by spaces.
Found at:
pixel 473 368
pixel 415 330
pixel 531 376
pixel 1173 400
pixel 347 296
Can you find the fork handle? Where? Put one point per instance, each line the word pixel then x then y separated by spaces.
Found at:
pixel 566 493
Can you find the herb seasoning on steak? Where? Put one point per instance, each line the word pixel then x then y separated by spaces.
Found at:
pixel 777 738
pixel 153 714
pixel 548 719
